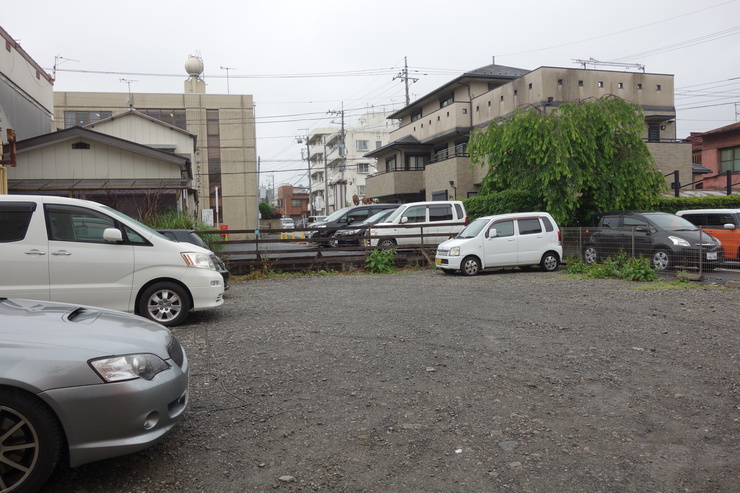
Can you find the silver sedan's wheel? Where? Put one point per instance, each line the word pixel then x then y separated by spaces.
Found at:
pixel 30 442
pixel 661 260
pixel 470 266
pixel 166 303
pixel 590 255
pixel 549 262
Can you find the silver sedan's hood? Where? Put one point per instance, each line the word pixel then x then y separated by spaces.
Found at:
pixel 53 341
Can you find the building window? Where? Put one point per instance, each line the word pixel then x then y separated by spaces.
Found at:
pixel 580 83
pixel 653 132
pixel 639 87
pixel 173 117
pixel 296 203
pixel 601 83
pixel 657 88
pixel 362 145
pixel 560 82
pixel 390 163
pixel 416 162
pixel 446 100
pixel 502 99
pixel 363 167
pixel 415 115
pixel 213 155
pixel 361 190
pixel 378 144
pixel 82 118
pixel 516 91
pixel 729 160
pixel 440 153
pixel 530 86
pixel 620 85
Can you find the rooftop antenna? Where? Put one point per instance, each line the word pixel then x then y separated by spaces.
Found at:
pixel 58 60
pixel 227 77
pixel 626 66
pixel 130 97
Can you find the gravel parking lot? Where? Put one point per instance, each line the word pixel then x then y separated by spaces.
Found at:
pixel 514 381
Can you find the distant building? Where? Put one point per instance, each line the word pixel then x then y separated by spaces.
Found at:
pixel 293 201
pixel 339 166
pixel 717 158
pixel 427 157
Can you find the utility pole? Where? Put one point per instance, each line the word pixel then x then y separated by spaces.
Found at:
pixel 404 74
pixel 342 153
pixel 300 139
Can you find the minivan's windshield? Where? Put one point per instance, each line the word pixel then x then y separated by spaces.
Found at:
pixel 395 214
pixel 473 229
pixel 334 216
pixel 144 227
pixel 671 222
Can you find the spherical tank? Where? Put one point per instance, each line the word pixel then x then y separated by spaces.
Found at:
pixel 194 66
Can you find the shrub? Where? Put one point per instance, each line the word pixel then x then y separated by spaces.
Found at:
pixel 381 261
pixel 622 266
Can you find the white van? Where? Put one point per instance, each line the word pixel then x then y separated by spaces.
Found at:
pixel 437 220
pixel 77 251
pixel 506 240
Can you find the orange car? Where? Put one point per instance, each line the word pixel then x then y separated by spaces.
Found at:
pixel 723 224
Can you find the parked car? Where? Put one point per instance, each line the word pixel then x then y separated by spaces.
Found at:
pixel 189 236
pixel 78 251
pixel 344 218
pixel 504 240
pixel 356 232
pixel 439 220
pixel 723 224
pixel 82 384
pixel 287 223
pixel 668 240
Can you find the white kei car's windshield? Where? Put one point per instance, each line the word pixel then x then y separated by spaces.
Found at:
pixel 473 229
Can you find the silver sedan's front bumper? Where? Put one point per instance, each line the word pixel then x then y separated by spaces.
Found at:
pixel 113 419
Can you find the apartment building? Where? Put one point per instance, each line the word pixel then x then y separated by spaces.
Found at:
pixel 338 162
pixel 427 156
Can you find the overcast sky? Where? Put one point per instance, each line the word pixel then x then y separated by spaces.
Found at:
pixel 300 59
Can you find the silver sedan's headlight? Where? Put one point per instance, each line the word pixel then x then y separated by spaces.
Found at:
pixel 679 241
pixel 129 367
pixel 201 260
pixel 454 252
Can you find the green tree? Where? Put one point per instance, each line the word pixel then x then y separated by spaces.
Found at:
pixel 587 156
pixel 266 210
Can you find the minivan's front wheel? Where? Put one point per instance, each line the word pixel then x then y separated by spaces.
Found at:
pixel 166 303
pixel 661 259
pixel 470 266
pixel 549 262
pixel 30 442
pixel 387 243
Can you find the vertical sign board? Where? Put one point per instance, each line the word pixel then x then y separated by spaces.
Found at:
pixel 206 216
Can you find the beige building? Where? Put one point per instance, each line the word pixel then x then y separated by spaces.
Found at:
pixel 224 159
pixel 339 166
pixel 427 156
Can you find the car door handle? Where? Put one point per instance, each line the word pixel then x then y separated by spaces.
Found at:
pixel 61 253
pixel 35 252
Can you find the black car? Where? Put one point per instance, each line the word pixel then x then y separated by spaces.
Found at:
pixel 353 234
pixel 666 239
pixel 344 218
pixel 189 236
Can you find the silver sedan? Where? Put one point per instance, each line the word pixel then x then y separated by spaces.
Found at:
pixel 83 383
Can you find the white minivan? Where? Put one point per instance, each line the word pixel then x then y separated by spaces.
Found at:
pixel 505 240
pixel 78 251
pixel 420 222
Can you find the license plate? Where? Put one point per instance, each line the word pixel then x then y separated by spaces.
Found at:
pixel 439 261
pixel 712 256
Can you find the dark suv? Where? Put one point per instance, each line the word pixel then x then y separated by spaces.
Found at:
pixel 343 218
pixel 666 239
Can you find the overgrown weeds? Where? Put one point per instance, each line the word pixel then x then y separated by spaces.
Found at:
pixel 381 261
pixel 621 266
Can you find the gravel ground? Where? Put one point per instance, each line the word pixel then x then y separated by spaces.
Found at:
pixel 418 381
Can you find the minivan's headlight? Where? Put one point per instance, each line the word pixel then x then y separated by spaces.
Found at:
pixel 194 259
pixel 679 241
pixel 129 367
pixel 454 251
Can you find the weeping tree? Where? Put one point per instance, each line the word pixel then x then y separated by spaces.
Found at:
pixel 587 156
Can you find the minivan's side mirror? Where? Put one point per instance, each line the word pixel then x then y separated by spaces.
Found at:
pixel 112 235
pixel 492 233
pixel 730 226
pixel 404 220
pixel 641 229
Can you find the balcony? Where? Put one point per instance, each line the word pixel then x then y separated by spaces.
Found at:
pixel 397 182
pixel 438 123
